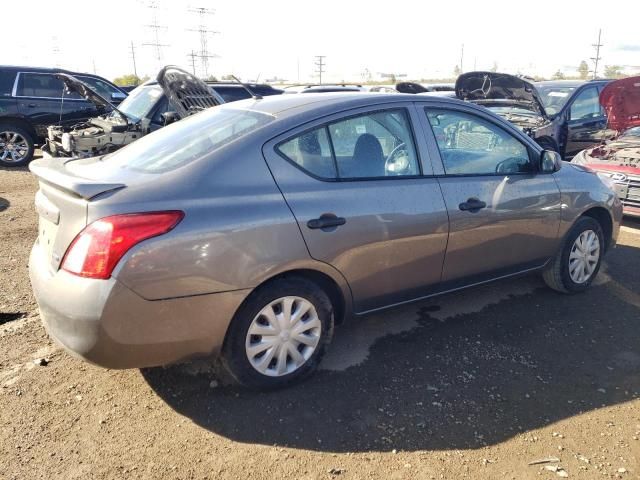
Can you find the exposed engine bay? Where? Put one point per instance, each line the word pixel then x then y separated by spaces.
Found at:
pixel 175 94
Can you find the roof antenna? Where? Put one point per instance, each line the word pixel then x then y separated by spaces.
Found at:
pixel 246 87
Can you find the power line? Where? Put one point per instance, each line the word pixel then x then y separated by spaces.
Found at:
pixel 133 57
pixel 597 58
pixel 192 57
pixel 205 33
pixel 319 63
pixel 156 28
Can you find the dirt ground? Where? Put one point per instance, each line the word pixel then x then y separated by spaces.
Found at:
pixel 475 385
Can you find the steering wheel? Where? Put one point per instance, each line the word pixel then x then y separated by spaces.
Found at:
pixel 390 161
pixel 511 165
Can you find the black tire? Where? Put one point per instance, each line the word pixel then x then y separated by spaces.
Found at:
pixel 6 131
pixel 234 355
pixel 556 275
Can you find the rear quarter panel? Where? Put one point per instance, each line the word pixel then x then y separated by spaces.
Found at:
pixel 237 231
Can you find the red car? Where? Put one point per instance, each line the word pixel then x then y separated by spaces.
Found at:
pixel 619 158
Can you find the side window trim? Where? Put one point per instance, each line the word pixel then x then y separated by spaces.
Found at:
pixel 360 112
pixel 15 89
pixel 424 107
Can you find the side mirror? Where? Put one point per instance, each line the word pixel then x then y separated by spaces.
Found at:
pixel 550 161
pixel 169 117
pixel 118 96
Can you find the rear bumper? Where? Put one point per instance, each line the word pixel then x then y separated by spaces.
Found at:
pixel 107 324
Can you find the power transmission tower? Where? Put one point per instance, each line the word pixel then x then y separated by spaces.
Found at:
pixel 320 66
pixel 205 33
pixel 597 58
pixel 133 57
pixel 55 50
pixel 156 29
pixel 192 56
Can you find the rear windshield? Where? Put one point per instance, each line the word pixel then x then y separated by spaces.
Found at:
pixel 187 140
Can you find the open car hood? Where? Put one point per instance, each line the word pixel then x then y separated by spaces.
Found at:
pixel 187 94
pixel 621 101
pixel 491 88
pixel 73 84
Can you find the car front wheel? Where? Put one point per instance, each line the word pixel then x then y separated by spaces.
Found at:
pixel 279 335
pixel 575 266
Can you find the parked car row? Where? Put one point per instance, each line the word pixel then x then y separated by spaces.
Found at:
pixel 249 230
pixel 32 98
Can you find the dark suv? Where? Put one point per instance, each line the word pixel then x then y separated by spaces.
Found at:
pixel 32 98
pixel 560 115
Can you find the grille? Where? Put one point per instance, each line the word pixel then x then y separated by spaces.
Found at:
pixel 633 192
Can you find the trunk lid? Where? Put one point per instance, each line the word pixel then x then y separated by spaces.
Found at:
pixel 499 89
pixel 621 101
pixel 62 204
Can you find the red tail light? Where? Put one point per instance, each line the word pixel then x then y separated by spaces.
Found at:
pixel 98 248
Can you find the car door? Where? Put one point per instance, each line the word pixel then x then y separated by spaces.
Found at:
pixel 40 97
pixel 355 185
pixel 586 121
pixel 503 214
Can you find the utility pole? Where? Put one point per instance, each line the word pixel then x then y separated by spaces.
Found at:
pixel 133 57
pixel 192 57
pixel 205 33
pixel 462 59
pixel 93 60
pixel 597 58
pixel 156 28
pixel 321 66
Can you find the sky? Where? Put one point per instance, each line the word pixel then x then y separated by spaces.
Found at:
pixel 262 40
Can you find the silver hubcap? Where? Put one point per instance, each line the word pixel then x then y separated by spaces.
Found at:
pixel 283 336
pixel 584 256
pixel 13 147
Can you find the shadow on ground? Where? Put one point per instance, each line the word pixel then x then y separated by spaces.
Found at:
pixel 473 380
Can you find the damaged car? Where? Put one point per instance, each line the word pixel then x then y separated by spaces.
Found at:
pixel 564 116
pixel 618 159
pixel 175 94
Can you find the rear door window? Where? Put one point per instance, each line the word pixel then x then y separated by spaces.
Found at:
pixel 374 145
pixel 42 85
pixel 7 79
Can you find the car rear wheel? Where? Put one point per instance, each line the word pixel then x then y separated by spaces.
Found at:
pixel 578 262
pixel 16 146
pixel 279 335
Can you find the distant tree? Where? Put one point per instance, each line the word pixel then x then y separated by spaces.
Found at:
pixel 211 78
pixel 129 79
pixel 613 71
pixel 495 66
pixel 457 71
pixel 583 70
pixel 558 75
pixel 228 77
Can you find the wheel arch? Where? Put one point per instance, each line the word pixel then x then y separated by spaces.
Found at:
pixel 602 216
pixel 22 123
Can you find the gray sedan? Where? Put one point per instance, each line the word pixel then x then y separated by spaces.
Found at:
pixel 249 230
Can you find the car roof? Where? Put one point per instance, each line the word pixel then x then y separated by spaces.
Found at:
pixel 283 106
pixel 20 68
pixel 569 83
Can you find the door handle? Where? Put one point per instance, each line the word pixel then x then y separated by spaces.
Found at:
pixel 472 205
pixel 326 222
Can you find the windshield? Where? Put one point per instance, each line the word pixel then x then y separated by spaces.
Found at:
pixel 140 101
pixel 187 140
pixel 554 98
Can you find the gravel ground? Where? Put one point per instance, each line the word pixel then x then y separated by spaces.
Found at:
pixel 475 385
